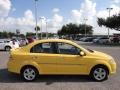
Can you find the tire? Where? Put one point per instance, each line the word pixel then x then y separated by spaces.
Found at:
pixel 29 73
pixel 7 48
pixel 99 73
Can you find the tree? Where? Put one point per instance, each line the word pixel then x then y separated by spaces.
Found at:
pixel 111 22
pixel 70 29
pixel 37 28
pixel 5 34
pixel 30 34
pixel 88 29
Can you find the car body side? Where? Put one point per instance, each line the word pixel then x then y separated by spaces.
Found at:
pixel 80 65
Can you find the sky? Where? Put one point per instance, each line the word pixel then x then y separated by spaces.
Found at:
pixel 20 14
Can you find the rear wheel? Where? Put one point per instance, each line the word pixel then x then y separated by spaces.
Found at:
pixel 29 73
pixel 7 48
pixel 99 73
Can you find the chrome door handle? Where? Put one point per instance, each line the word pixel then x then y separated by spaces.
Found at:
pixel 34 57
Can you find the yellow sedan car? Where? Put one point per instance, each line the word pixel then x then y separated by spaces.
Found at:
pixel 59 57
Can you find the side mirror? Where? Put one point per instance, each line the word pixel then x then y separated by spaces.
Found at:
pixel 82 53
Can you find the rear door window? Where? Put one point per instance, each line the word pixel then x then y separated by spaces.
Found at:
pixel 44 48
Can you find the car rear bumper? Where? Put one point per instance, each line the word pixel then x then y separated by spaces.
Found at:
pixel 12 67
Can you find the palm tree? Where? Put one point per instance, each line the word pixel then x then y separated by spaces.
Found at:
pixel 38 28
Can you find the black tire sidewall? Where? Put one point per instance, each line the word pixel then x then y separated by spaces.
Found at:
pixel 92 74
pixel 22 74
pixel 7 47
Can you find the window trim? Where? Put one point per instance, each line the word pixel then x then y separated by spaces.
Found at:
pixel 43 52
pixel 68 44
pixel 56 45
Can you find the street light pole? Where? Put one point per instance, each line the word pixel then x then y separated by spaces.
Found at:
pixel 36 18
pixel 46 30
pixel 85 26
pixel 41 25
pixel 41 28
pixel 109 9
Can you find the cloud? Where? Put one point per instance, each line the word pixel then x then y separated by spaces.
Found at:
pixel 55 23
pixel 23 23
pixel 76 16
pixel 5 6
pixel 56 10
pixel 105 13
pixel 116 1
pixel 27 23
pixel 87 10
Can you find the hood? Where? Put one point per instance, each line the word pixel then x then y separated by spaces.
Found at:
pixel 101 55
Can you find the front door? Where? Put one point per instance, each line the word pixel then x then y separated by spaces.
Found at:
pixel 70 61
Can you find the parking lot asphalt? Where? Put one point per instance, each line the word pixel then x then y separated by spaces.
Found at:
pixel 10 81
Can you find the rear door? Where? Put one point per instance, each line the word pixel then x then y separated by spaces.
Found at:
pixel 45 55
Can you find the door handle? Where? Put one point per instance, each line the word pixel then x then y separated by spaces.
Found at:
pixel 34 57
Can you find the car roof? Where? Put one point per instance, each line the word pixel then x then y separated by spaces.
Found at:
pixel 53 40
pixel 4 39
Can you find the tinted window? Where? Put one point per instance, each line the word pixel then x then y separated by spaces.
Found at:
pixel 64 48
pixel 44 48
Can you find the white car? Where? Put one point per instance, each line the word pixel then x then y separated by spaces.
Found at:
pixel 7 44
pixel 101 40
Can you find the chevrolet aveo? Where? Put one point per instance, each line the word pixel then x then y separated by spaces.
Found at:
pixel 59 57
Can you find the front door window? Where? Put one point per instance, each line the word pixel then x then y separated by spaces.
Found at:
pixel 64 48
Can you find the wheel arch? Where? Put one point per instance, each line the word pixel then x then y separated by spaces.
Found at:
pixel 7 46
pixel 28 66
pixel 100 65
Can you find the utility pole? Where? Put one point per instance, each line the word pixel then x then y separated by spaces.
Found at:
pixel 36 18
pixel 109 10
pixel 46 30
pixel 85 26
pixel 41 18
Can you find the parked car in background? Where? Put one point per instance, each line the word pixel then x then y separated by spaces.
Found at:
pixel 88 39
pixel 23 42
pixel 30 40
pixel 96 39
pixel 82 39
pixel 77 38
pixel 7 44
pixel 115 39
pixel 102 40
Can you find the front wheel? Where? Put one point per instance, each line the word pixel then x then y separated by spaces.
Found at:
pixel 29 74
pixel 99 73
